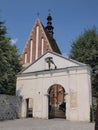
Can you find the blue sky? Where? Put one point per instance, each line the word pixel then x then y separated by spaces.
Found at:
pixel 70 18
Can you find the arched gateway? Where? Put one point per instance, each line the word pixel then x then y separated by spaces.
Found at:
pixel 57 104
pixel 47 81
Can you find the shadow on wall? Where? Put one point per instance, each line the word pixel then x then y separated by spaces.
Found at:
pixel 18 92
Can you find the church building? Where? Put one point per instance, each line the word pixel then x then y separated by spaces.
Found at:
pixel 51 85
pixel 40 40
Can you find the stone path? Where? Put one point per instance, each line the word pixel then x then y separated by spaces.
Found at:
pixel 41 124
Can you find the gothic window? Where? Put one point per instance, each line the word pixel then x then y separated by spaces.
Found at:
pixel 37 40
pixel 25 59
pixel 42 46
pixel 31 47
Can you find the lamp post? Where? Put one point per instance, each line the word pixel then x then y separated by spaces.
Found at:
pixel 96 120
pixel 92 110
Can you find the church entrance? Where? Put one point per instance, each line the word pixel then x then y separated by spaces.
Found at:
pixel 57 104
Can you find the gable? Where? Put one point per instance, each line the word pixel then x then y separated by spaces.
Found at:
pixel 37 44
pixel 59 61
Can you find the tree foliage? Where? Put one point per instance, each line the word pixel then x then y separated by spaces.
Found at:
pixel 9 63
pixel 85 49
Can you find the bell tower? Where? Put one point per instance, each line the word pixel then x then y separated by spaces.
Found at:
pixel 49 26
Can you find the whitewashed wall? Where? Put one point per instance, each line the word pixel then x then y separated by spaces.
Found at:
pixel 76 83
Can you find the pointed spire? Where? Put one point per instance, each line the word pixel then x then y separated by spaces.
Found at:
pixel 49 26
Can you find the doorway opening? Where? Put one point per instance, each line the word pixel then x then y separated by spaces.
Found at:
pixel 29 103
pixel 57 104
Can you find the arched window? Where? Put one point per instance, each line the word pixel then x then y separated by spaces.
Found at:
pixel 25 58
pixel 37 40
pixel 42 46
pixel 31 47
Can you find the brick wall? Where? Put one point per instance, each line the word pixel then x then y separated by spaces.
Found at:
pixel 10 107
pixel 33 38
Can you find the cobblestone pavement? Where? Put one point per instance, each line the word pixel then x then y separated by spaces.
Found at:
pixel 41 124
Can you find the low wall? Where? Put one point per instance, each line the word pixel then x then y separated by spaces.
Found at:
pixel 10 107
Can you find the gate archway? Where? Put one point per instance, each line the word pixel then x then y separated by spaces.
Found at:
pixel 57 104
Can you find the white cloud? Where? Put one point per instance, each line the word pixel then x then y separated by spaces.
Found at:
pixel 14 41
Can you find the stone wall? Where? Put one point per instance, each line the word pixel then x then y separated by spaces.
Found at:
pixel 10 107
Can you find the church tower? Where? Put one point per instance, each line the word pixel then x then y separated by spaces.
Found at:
pixel 40 40
pixel 49 26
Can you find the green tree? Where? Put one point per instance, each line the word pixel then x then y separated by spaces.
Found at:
pixel 85 49
pixel 9 63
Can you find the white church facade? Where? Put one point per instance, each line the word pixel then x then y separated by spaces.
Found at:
pixel 55 86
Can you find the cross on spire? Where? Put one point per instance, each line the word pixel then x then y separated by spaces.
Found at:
pixel 38 14
pixel 49 11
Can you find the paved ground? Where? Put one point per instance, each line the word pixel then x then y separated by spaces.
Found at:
pixel 39 124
